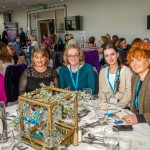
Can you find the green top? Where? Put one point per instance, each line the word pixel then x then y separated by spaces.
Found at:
pixel 86 78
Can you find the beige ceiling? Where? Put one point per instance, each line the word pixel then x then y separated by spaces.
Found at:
pixel 7 6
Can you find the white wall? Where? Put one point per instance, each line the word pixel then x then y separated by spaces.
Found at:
pixel 125 18
pixel 21 18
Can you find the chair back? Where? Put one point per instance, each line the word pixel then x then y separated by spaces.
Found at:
pixel 92 57
pixel 12 77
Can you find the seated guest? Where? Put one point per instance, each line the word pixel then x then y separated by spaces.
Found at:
pixel 122 48
pixel 91 44
pixel 114 80
pixel 13 52
pixel 34 42
pixel 48 42
pixel 146 40
pixel 5 58
pixel 76 74
pixel 139 60
pixel 71 39
pixel 17 45
pixel 38 73
pixel 114 39
pixel 2 90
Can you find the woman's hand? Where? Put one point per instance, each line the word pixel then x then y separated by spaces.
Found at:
pixel 130 119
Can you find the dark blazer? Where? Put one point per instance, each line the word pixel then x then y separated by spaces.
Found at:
pixel 144 98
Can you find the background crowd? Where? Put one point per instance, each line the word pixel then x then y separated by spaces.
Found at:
pixel 118 72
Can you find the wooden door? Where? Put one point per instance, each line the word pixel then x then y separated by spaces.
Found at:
pixel 43 29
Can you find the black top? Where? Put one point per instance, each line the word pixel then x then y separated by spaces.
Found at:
pixel 22 39
pixel 31 79
pixel 4 34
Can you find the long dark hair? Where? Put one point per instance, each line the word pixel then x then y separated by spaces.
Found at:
pixel 108 46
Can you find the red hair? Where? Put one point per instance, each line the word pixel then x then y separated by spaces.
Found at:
pixel 139 49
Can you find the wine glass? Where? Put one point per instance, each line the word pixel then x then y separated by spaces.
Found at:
pixel 88 93
pixel 111 137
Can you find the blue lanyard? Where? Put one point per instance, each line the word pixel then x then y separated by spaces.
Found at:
pixel 77 78
pixel 113 88
pixel 138 87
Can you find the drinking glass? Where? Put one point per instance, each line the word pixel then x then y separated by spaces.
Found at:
pixel 111 138
pixel 88 93
pixel 101 116
pixel 7 140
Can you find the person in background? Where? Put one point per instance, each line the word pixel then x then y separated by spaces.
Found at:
pixel 13 52
pixel 139 60
pixel 22 37
pixel 38 72
pixel 115 80
pixel 146 40
pixel 48 42
pixel 108 38
pixel 2 91
pixel 17 45
pixel 91 44
pixel 5 36
pixel 122 48
pixel 5 58
pixel 76 74
pixel 66 38
pixel 34 42
pixel 71 40
pixel 114 39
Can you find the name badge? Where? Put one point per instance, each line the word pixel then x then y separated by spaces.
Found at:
pixel 113 101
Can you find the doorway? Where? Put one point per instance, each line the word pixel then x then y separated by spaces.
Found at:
pixel 43 29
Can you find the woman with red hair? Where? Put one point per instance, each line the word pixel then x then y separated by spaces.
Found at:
pixel 139 60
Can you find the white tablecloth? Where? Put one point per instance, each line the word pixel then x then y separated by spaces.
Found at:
pixel 140 137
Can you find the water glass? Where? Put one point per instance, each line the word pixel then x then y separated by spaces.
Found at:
pixel 7 140
pixel 101 117
pixel 111 137
pixel 88 93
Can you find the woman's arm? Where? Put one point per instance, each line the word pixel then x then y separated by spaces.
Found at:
pixel 23 82
pixel 101 94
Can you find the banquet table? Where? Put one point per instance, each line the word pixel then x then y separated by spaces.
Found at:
pixel 140 135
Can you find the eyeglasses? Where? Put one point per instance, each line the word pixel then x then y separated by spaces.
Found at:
pixel 73 56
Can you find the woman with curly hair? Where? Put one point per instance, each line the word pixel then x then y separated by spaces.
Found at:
pixel 139 60
pixel 76 74
pixel 5 58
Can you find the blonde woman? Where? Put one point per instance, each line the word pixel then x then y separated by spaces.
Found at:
pixel 76 74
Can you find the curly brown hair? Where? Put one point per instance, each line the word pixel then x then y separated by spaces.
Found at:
pixel 4 55
pixel 139 49
pixel 81 55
